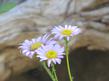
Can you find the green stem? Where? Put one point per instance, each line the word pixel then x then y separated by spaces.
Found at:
pixel 48 71
pixel 67 60
pixel 54 72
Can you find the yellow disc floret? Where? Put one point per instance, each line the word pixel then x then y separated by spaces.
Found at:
pixel 66 32
pixel 51 54
pixel 35 45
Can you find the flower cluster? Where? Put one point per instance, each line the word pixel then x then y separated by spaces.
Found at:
pixel 46 48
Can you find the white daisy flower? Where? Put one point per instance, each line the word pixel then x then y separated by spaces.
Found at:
pixel 65 31
pixel 29 47
pixel 51 53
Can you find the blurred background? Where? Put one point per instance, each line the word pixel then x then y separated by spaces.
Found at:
pixel 26 19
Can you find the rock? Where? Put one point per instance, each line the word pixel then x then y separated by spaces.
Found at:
pixel 97 13
pixel 4 72
pixel 96 4
pixel 105 19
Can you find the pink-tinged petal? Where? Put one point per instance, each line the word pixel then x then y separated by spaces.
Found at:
pixel 62 49
pixel 40 51
pixel 77 31
pixel 61 57
pixel 56 36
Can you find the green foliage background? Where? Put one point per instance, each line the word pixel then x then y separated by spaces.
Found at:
pixel 6 7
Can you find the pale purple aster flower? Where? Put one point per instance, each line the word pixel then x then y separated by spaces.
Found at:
pixel 51 53
pixel 29 47
pixel 65 31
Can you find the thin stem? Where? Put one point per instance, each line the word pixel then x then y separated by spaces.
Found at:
pixel 48 71
pixel 67 60
pixel 54 72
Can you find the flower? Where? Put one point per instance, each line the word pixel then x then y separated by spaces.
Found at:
pixel 29 47
pixel 65 31
pixel 51 53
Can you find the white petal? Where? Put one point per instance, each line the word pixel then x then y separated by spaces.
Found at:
pixel 58 61
pixel 54 61
pixel 24 51
pixel 26 41
pixel 68 38
pixel 27 53
pixel 38 39
pixel 49 62
pixel 43 59
pixel 34 40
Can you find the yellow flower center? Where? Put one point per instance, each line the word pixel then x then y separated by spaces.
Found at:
pixel 35 45
pixel 51 54
pixel 66 32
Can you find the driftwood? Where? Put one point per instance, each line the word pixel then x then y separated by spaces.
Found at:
pixel 35 17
